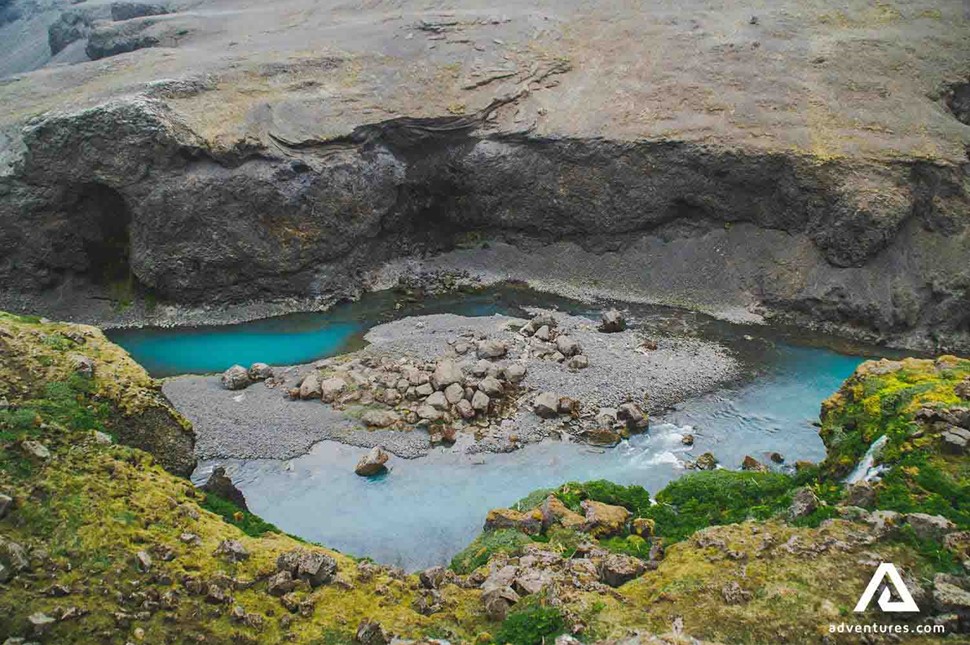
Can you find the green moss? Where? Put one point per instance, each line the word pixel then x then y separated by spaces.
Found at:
pixel 634 498
pixel 534 625
pixel 247 522
pixel 703 499
pixel 485 546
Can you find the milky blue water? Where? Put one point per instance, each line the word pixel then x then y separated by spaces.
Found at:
pixel 426 510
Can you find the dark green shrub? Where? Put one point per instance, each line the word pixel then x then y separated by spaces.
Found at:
pixel 485 546
pixel 533 625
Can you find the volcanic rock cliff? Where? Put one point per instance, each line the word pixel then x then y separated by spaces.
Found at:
pixel 803 163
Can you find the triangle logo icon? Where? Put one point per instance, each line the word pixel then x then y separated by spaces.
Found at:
pixel 885 602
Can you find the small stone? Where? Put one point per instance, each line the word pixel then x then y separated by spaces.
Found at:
pixel 751 464
pixel 465 409
pixel 373 463
pixel 232 550
pixel 6 503
pixel 280 583
pixel 568 346
pixel 82 365
pixel 803 503
pixel 687 440
pixel 612 321
pixel 101 438
pixel 578 362
pixel 546 405
pixel 143 561
pixel 236 378
pixel 543 333
pixel 35 449
pixel 707 461
pixel 429 413
pixel 568 405
pixel 370 632
pixel 260 372
pixel 39 623
pixel 424 390
pixel 733 594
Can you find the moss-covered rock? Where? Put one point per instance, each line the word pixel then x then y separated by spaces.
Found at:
pixel 73 377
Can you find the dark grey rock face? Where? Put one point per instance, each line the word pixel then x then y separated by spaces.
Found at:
pixel 128 184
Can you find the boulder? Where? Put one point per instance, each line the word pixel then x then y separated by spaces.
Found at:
pixel 315 568
pixel 454 393
pixel 604 520
pixel 955 440
pixel 221 485
pixel 310 387
pixel 379 418
pixel 950 597
pixel 546 405
pixel 617 568
pixel 83 365
pixel 884 524
pixel 280 584
pixel 600 435
pixel 567 346
pixel 633 416
pixel 6 503
pixel 803 503
pixel 14 556
pixel 127 10
pixel 612 321
pixel 568 405
pixel 507 518
pixel 707 461
pixel 962 388
pixel 555 512
pixel 445 373
pixel 543 333
pixel 491 386
pixel 260 372
pixel 39 623
pixel 428 413
pixel 433 578
pixel 776 457
pixel 330 389
pixel 373 463
pixel 236 378
pixel 860 494
pixel 498 601
pixel 929 527
pixel 578 362
pixel 492 349
pixel 480 401
pixel 687 440
pixel 438 400
pixel 749 463
pixel 426 389
pixel 232 550
pixel 515 373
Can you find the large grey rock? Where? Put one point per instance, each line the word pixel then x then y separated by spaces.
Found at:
pixel 128 10
pixel 929 527
pixel 612 321
pixel 617 569
pixel 803 503
pixel 492 349
pixel 633 416
pixel 221 485
pixel 331 388
pixel 236 378
pixel 310 387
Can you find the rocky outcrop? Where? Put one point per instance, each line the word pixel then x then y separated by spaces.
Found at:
pixel 135 411
pixel 229 249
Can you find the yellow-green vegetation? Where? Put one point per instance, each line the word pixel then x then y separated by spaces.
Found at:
pixel 83 509
pixel 112 547
pixel 883 398
pixel 70 376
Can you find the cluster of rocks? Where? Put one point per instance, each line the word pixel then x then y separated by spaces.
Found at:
pixel 952 425
pixel 544 340
pixel 591 568
pixel 238 377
